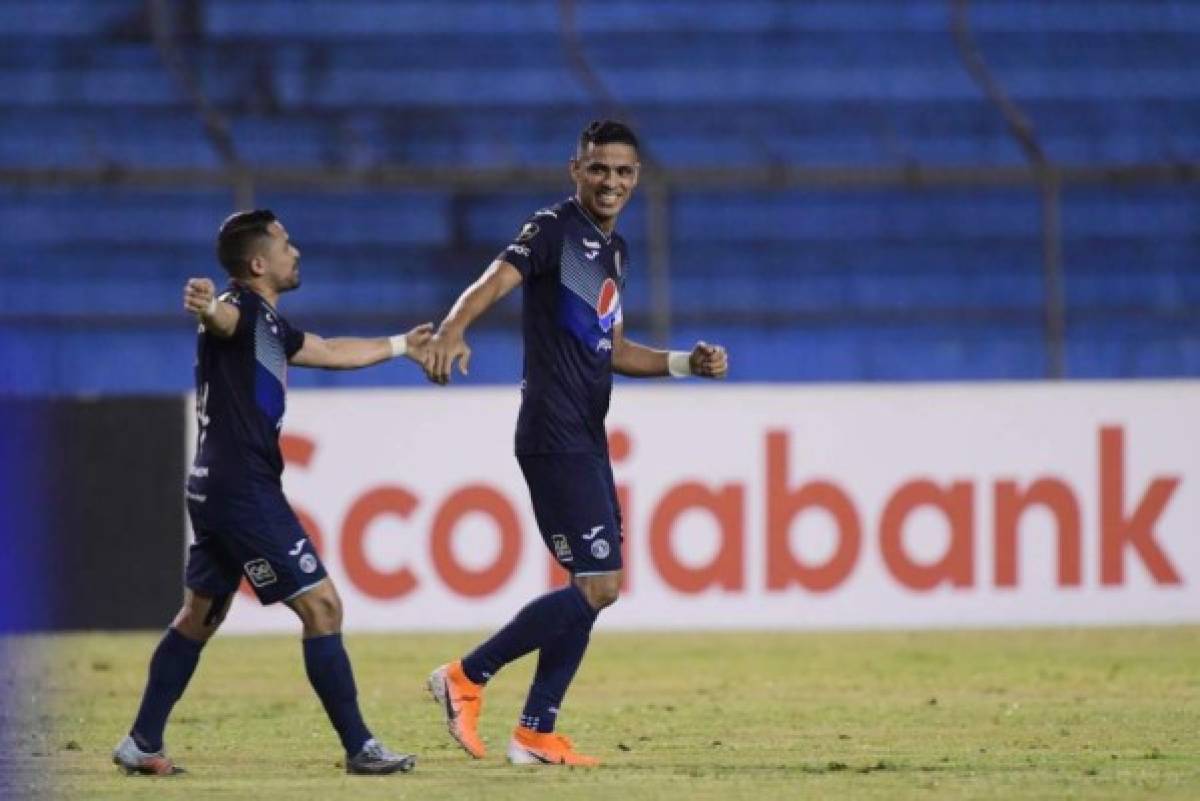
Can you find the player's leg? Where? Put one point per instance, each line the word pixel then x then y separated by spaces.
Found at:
pixel 559 659
pixel 458 686
pixel 332 678
pixel 211 581
pixel 533 741
pixel 328 665
pixel 587 506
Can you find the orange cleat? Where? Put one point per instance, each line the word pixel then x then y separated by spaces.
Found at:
pixel 462 701
pixel 529 747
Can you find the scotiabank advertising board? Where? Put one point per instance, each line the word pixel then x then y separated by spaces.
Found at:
pixel 769 506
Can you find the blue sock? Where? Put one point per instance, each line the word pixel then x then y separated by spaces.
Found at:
pixel 329 672
pixel 543 620
pixel 557 662
pixel 171 669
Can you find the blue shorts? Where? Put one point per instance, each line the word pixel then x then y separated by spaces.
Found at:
pixel 269 548
pixel 575 504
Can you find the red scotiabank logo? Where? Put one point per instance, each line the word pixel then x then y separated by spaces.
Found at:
pixel 1126 531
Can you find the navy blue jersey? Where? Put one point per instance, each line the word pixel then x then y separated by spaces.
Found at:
pixel 241 388
pixel 574 276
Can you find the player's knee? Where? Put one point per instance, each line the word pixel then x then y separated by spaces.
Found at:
pixel 605 597
pixel 200 616
pixel 320 610
pixel 601 591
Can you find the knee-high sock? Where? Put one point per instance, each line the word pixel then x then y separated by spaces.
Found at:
pixel 557 662
pixel 171 669
pixel 329 672
pixel 541 621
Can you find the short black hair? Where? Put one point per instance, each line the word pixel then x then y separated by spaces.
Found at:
pixel 607 132
pixel 240 232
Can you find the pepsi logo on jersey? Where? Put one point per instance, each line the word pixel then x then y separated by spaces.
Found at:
pixel 608 304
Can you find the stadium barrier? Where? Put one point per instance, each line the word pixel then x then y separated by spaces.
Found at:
pixel 903 506
pixel 90 513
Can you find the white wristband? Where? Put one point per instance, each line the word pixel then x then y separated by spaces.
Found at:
pixel 399 345
pixel 679 363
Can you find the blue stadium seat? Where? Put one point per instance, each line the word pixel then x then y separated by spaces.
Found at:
pixel 881 285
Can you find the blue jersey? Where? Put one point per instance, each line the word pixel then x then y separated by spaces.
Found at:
pixel 574 276
pixel 241 388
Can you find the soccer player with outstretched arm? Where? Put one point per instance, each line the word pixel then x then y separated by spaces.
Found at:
pixel 242 521
pixel 572 267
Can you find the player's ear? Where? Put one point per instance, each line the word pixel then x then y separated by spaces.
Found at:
pixel 257 266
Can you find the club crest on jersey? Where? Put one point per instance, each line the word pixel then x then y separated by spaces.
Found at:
pixel 607 304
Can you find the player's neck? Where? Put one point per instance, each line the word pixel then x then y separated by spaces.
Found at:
pixel 260 288
pixel 606 227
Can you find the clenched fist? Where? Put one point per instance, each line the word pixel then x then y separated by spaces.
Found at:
pixel 199 295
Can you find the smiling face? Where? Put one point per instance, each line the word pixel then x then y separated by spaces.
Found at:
pixel 605 176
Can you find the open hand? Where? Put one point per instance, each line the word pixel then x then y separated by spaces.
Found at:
pixel 417 341
pixel 443 349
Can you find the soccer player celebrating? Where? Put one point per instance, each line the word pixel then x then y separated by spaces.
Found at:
pixel 573 267
pixel 243 524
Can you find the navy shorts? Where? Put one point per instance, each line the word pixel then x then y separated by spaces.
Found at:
pixel 575 504
pixel 268 547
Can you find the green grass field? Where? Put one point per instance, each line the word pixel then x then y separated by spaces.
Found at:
pixel 1109 714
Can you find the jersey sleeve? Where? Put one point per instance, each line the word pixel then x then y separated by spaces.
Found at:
pixel 622 257
pixel 534 250
pixel 622 265
pixel 247 305
pixel 293 339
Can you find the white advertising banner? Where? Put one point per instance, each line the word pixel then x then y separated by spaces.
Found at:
pixel 752 506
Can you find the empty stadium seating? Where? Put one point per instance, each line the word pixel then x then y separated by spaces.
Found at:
pixel 828 284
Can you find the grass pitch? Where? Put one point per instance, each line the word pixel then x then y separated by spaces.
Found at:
pixel 1111 714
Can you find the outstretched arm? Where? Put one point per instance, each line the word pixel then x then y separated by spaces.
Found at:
pixel 351 353
pixel 449 343
pixel 639 361
pixel 200 298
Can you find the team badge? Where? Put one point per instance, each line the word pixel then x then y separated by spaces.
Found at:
pixel 259 572
pixel 308 563
pixel 562 548
pixel 528 231
pixel 601 549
